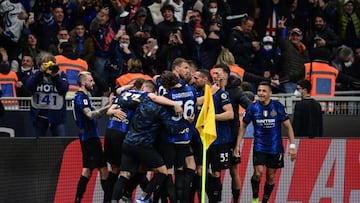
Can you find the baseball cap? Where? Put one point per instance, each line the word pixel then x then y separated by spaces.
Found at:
pixel 295 31
pixel 348 1
pixel 268 39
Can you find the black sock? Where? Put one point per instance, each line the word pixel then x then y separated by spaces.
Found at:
pixel 81 187
pixel 119 188
pixel 155 183
pixel 214 189
pixel 112 178
pixel 188 181
pixel 133 183
pixel 255 187
pixel 236 195
pixel 267 192
pixel 195 187
pixel 170 188
pixel 105 187
pixel 179 184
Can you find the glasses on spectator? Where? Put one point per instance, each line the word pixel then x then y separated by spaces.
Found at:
pixel 299 88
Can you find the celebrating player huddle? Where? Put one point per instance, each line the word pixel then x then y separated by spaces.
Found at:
pixel 147 132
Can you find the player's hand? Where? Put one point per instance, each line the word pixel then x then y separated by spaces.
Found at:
pixel 236 152
pixel 191 118
pixel 292 154
pixel 178 110
pixel 118 113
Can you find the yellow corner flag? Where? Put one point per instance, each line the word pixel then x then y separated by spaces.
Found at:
pixel 205 123
pixel 206 126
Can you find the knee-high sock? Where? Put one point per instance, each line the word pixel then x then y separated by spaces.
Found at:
pixel 188 181
pixel 267 192
pixel 119 188
pixel 214 189
pixel 133 182
pixel 81 187
pixel 255 184
pixel 155 183
pixel 179 184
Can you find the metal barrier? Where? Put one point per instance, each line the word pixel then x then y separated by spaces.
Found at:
pixel 338 105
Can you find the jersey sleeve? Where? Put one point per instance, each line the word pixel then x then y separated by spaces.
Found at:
pixel 248 114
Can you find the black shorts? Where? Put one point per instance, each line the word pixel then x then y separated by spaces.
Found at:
pixel 218 157
pixel 269 160
pixel 92 154
pixel 134 156
pixel 174 154
pixel 113 146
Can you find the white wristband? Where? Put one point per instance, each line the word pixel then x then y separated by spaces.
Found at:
pixel 292 146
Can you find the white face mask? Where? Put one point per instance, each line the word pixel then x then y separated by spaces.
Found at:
pixel 124 45
pixel 297 93
pixel 62 40
pixel 267 47
pixel 199 40
pixel 213 11
pixel 348 64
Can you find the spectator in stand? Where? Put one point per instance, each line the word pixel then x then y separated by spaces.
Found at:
pixel 48 27
pixel 103 30
pixel 300 14
pixel 349 24
pixel 150 60
pixel 155 14
pixel 49 86
pixel 87 11
pixel 293 56
pixel 215 9
pixel 62 36
pixel 244 43
pixel 134 71
pixel 27 68
pixel 323 35
pixel 139 31
pixel 349 64
pixel 132 7
pixel 162 31
pixel 13 16
pixel 308 120
pixel 178 9
pixel 270 12
pixel 70 13
pixel 194 35
pixel 31 47
pixel 174 49
pixel 70 63
pixel 270 54
pixel 8 77
pixel 328 10
pixel 239 10
pixel 83 44
pixel 120 53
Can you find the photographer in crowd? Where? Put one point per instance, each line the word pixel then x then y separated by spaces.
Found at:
pixel 48 107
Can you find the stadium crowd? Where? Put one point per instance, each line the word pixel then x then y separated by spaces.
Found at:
pixel 106 34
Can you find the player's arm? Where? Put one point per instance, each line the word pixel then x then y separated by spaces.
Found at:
pixel 165 101
pixel 240 136
pixel 123 88
pixel 95 113
pixel 291 136
pixel 116 112
pixel 228 113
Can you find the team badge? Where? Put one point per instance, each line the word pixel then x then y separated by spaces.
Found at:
pixel 265 113
pixel 273 113
pixel 223 96
pixel 85 101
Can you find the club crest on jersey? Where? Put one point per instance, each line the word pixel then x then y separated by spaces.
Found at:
pixel 273 113
pixel 265 113
pixel 223 96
